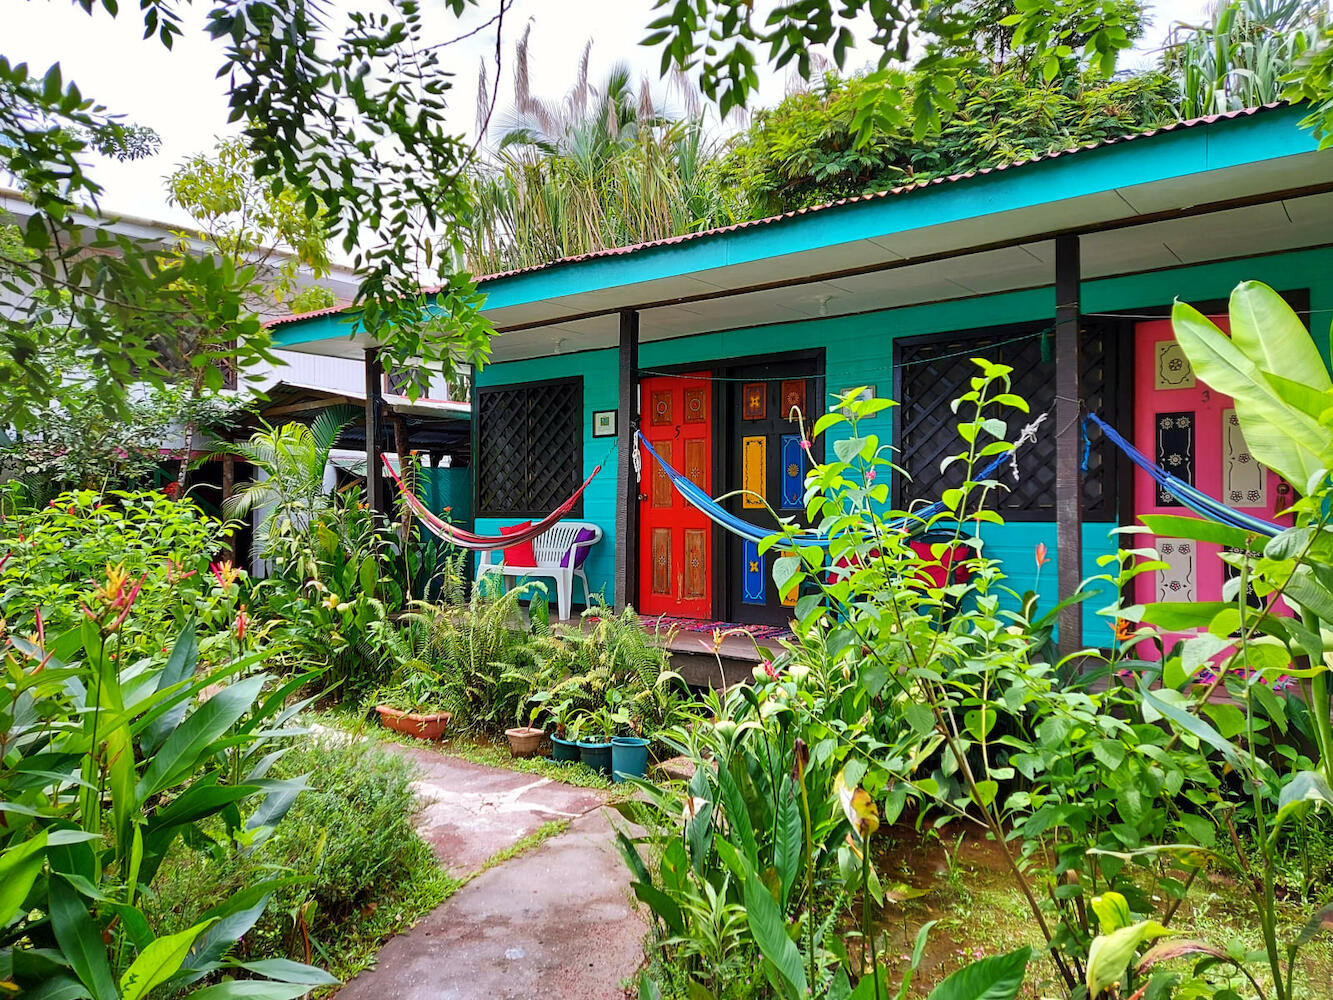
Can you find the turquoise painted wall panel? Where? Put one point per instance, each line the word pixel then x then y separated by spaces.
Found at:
pixel 859 351
pixel 599 371
pixel 450 488
pixel 1015 545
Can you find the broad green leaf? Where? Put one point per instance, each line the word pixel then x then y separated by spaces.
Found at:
pixel 158 962
pixel 737 816
pixel 1172 616
pixel 79 939
pixel 179 667
pixel 19 867
pixel 783 960
pixel 1278 435
pixel 788 838
pixel 58 988
pixel 1229 720
pixel 1112 911
pixel 1197 651
pixel 661 904
pixel 999 977
pixel 251 989
pixel 192 740
pixel 1269 332
pixel 1191 724
pixel 286 971
pixel 1308 787
pixel 1176 526
pixel 1110 954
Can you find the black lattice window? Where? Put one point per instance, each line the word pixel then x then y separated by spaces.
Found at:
pixel 529 455
pixel 934 371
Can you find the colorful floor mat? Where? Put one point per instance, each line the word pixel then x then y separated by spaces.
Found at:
pixel 665 622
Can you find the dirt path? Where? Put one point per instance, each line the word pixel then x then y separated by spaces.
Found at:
pixel 555 920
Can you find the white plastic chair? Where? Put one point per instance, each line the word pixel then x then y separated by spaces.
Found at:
pixel 549 548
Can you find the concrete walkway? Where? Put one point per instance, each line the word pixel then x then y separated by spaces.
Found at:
pixel 554 921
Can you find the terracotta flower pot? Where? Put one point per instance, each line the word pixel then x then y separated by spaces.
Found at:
pixel 429 726
pixel 524 740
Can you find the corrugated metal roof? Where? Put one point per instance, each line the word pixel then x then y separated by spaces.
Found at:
pixel 872 196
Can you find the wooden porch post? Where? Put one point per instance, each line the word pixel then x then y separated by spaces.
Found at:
pixel 1068 477
pixel 374 396
pixel 627 490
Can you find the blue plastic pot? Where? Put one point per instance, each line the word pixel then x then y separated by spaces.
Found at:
pixel 629 757
pixel 564 751
pixel 596 755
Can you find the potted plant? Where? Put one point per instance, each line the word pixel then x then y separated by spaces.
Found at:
pixel 524 741
pixel 413 706
pixel 629 754
pixel 564 740
pixel 595 749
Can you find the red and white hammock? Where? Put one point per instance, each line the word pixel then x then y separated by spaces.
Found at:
pixel 455 535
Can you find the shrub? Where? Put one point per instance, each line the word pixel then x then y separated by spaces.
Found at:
pixel 51 556
pixel 348 844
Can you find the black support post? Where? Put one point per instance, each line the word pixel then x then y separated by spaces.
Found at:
pixel 1068 477
pixel 627 489
pixel 375 496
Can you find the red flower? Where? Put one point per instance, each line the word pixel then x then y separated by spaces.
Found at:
pixel 768 669
pixel 241 621
pixel 171 490
pixel 1041 555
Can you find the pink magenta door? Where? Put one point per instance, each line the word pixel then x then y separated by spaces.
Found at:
pixel 1191 431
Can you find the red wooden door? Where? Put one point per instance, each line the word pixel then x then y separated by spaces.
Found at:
pixel 1191 431
pixel 676 546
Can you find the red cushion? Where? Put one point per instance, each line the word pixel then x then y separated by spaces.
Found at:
pixel 520 554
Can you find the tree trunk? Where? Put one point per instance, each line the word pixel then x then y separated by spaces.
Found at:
pixel 191 429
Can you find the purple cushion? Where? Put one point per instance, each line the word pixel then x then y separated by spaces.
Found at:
pixel 584 535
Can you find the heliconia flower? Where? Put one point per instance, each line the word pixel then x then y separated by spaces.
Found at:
pixel 1041 555
pixel 224 573
pixel 768 669
pixel 241 621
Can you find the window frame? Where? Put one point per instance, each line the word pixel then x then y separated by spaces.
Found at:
pixel 479 458
pixel 1116 356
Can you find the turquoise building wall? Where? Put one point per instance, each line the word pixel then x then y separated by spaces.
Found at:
pixel 599 370
pixel 859 351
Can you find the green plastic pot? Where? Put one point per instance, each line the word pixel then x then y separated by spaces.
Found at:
pixel 564 751
pixel 629 757
pixel 596 755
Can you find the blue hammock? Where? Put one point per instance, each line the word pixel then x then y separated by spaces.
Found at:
pixel 1196 500
pixel 719 515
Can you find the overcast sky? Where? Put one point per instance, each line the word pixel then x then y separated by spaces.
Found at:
pixel 177 93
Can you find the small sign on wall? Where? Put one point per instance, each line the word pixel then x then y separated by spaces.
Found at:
pixel 604 423
pixel 866 394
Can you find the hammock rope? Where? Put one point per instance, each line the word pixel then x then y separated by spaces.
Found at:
pixel 1195 499
pixel 455 535
pixel 719 515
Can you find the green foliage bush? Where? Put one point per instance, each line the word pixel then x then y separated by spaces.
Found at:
pixel 807 151
pixel 53 557
pixel 347 848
